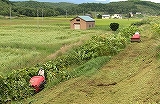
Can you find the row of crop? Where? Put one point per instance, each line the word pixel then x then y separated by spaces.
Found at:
pixel 156 32
pixel 156 29
pixel 91 55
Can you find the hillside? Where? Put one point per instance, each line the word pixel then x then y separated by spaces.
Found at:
pixel 132 76
pixel 145 7
pixel 5 7
pixel 29 8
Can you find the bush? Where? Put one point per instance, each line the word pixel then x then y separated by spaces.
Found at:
pixel 15 86
pixel 144 21
pixel 129 31
pixel 114 26
pixel 99 16
pixel 156 30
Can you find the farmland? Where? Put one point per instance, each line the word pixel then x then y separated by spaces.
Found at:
pixel 130 77
pixel 27 42
pixel 88 55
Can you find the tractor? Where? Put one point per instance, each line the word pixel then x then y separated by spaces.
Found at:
pixel 135 37
pixel 38 81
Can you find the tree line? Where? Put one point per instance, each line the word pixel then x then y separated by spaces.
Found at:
pixel 34 8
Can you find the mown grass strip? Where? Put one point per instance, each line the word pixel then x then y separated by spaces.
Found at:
pixel 90 67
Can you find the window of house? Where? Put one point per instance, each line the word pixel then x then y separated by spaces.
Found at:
pixel 77 20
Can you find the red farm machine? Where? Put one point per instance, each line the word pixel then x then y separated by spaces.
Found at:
pixel 135 37
pixel 38 81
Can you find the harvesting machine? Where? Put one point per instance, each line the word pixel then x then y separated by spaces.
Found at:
pixel 135 37
pixel 38 81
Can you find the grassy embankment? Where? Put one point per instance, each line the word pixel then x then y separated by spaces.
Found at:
pixel 131 77
pixel 26 42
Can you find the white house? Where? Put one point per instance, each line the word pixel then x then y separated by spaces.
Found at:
pixel 117 16
pixel 138 13
pixel 106 16
pixel 131 14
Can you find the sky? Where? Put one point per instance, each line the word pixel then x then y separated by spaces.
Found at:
pixel 85 1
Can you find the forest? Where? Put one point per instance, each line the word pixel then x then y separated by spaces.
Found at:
pixel 48 9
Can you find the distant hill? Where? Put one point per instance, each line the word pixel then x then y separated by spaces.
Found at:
pixel 145 7
pixel 29 8
pixel 35 4
pixel 5 7
pixel 124 7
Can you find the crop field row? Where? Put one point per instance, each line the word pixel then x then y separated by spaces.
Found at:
pixel 129 77
pixel 25 42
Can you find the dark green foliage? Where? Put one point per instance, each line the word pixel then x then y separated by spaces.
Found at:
pixel 99 16
pixel 142 22
pixel 114 26
pixel 29 8
pixel 15 86
pixel 129 15
pixel 129 31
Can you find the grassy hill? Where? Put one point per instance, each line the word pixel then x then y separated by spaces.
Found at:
pixel 35 4
pixel 132 76
pixel 145 7
pixel 5 7
pixel 29 8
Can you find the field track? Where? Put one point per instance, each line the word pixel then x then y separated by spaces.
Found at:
pixel 131 77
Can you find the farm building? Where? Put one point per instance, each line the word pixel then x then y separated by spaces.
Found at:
pixel 117 16
pixel 131 14
pixel 82 22
pixel 106 16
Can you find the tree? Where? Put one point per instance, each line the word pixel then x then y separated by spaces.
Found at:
pixel 134 0
pixel 114 26
pixel 99 16
pixel 129 15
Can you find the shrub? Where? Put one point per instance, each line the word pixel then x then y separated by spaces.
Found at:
pixel 114 26
pixel 156 29
pixel 129 31
pixel 15 86
pixel 99 16
pixel 144 21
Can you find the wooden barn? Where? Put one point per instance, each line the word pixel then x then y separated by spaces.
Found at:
pixel 82 22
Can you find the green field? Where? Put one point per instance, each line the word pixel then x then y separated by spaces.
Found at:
pixel 130 77
pixel 28 41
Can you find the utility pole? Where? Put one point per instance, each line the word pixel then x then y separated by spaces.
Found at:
pixel 42 14
pixel 37 13
pixel 95 14
pixel 37 19
pixel 10 12
pixel 66 13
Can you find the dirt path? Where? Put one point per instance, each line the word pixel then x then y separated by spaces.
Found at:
pixel 63 49
pixel 131 77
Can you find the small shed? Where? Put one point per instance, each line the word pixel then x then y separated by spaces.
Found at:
pixel 82 22
pixel 106 16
